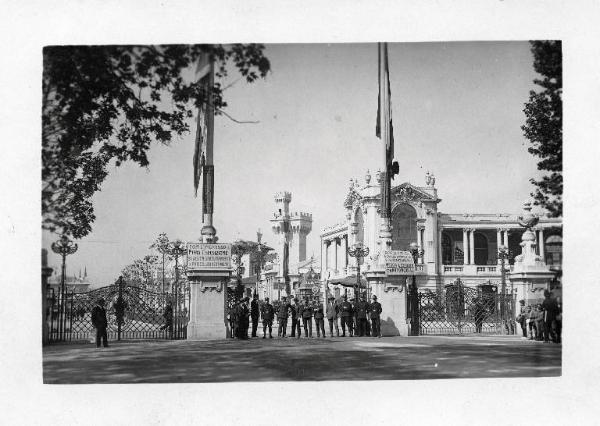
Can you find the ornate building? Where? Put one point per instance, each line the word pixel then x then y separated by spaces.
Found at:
pixel 461 245
pixel 74 284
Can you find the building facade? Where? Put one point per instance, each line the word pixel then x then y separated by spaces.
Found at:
pixel 462 245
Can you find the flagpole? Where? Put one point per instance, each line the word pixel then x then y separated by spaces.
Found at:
pixel 208 231
pixel 385 234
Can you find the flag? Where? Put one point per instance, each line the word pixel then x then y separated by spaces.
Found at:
pixel 384 90
pixel 204 132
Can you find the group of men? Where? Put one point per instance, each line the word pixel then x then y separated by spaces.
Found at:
pixel 543 320
pixel 359 318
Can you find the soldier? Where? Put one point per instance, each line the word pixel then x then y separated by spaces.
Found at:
pixel 375 314
pixel 267 313
pixel 362 309
pixel 345 310
pixel 244 314
pixel 282 317
pixel 353 322
pixel 319 320
pixel 298 318
pixel 294 312
pixel 307 314
pixel 254 312
pixel 332 316
pixel 100 323
pixel 168 316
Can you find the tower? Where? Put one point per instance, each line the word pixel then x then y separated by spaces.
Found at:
pixel 291 228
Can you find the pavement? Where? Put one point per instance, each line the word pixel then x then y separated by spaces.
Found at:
pixel 312 359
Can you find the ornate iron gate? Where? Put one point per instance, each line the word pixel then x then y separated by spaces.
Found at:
pixel 464 310
pixel 132 313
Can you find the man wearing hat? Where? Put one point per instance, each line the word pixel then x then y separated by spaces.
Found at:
pixel 345 310
pixel 375 317
pixel 244 320
pixel 332 316
pixel 307 314
pixel 254 312
pixel 100 323
pixel 267 313
pixel 282 317
pixel 362 309
pixel 295 311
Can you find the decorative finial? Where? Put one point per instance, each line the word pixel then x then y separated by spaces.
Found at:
pixel 351 183
pixel 427 178
pixel 378 176
pixel 432 180
pixel 368 177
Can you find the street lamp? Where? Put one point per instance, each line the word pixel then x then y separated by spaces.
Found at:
pixel 359 252
pixel 415 252
pixel 176 250
pixel 64 246
pixel 504 254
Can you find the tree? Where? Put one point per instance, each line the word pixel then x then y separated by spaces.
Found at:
pixel 107 104
pixel 543 126
pixel 162 244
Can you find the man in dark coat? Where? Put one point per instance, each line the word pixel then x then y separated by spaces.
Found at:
pixel 346 316
pixel 282 317
pixel 295 311
pixel 168 316
pixel 362 309
pixel 319 320
pixel 244 314
pixel 254 313
pixel 267 313
pixel 332 316
pixel 100 323
pixel 551 311
pixel 307 314
pixel 375 313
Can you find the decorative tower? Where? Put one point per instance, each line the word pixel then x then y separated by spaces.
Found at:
pixel 291 229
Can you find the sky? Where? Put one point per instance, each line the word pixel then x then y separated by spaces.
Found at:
pixel 457 112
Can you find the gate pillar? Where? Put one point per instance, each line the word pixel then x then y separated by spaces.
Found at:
pixel 391 293
pixel 208 299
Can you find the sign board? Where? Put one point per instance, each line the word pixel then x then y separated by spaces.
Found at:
pixel 398 262
pixel 208 257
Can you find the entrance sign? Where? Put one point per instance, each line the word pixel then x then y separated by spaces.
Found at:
pixel 398 262
pixel 211 257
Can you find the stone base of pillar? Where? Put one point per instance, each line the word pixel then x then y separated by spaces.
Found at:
pixel 208 310
pixel 391 293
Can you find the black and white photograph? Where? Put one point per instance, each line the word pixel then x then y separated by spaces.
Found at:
pixel 234 220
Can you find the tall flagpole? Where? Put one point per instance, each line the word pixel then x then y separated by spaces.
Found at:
pixel 208 231
pixel 385 234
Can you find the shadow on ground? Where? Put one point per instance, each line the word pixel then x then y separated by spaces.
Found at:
pixel 300 359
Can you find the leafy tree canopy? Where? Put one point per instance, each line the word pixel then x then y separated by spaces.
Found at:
pixel 107 104
pixel 543 125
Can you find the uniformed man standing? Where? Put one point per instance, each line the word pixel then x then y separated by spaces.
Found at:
pixel 320 320
pixel 307 314
pixel 267 313
pixel 294 312
pixel 254 313
pixel 332 316
pixel 375 317
pixel 345 310
pixel 100 323
pixel 298 318
pixel 362 309
pixel 282 317
pixel 244 320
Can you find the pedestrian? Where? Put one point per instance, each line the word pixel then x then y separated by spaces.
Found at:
pixel 294 311
pixel 539 322
pixel 362 309
pixel 100 323
pixel 345 310
pixel 254 313
pixel 522 318
pixel 282 317
pixel 244 318
pixel 319 320
pixel 168 316
pixel 233 320
pixel 307 314
pixel 550 308
pixel 559 321
pixel 531 314
pixel 267 313
pixel 478 314
pixel 375 313
pixel 332 316
pixel 353 322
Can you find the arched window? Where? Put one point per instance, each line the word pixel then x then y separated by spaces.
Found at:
pixel 481 249
pixel 404 224
pixel 553 249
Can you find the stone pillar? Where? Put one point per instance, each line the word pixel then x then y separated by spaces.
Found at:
pixel 391 293
pixel 420 242
pixel 465 247
pixel 335 254
pixel 208 310
pixel 345 248
pixel 541 245
pixel 325 264
pixel 505 231
pixel 472 246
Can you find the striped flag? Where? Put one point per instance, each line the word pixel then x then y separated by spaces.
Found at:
pixel 204 133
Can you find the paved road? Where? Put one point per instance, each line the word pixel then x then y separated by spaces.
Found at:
pixel 304 359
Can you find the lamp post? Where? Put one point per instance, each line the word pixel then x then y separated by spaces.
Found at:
pixel 64 246
pixel 359 252
pixel 504 254
pixel 176 250
pixel 415 252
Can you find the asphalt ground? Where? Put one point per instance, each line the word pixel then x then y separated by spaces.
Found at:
pixel 291 359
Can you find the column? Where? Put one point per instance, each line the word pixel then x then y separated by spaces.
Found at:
pixel 465 247
pixel 420 241
pixel 472 246
pixel 335 253
pixel 505 231
pixel 345 254
pixel 325 260
pixel 498 243
pixel 541 245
